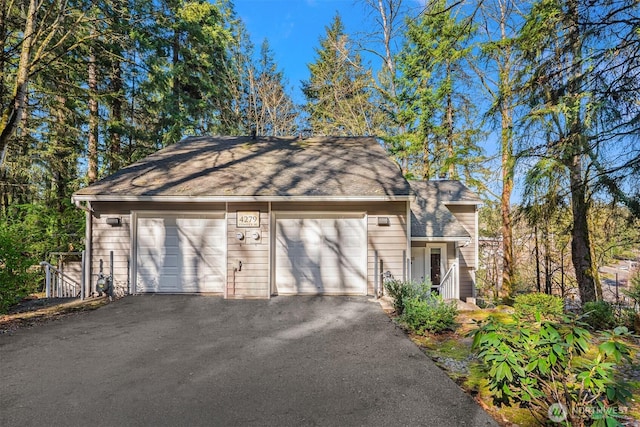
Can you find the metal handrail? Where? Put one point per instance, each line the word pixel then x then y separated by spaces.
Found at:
pixel 62 286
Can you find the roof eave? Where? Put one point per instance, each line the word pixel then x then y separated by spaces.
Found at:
pixel 463 202
pixel 212 199
pixel 441 239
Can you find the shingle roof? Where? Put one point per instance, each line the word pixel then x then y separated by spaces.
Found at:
pixel 265 167
pixel 446 191
pixel 430 216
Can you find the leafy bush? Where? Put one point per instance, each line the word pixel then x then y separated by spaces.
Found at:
pixel 16 281
pixel 430 313
pixel 542 363
pixel 401 291
pixel 600 315
pixel 549 306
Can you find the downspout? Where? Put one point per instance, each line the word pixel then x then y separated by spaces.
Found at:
pixel 86 268
pixel 272 238
pixel 408 257
pixel 477 250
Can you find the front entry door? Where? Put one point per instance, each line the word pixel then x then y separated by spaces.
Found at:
pixel 428 263
pixel 435 262
pixel 417 265
pixel 435 266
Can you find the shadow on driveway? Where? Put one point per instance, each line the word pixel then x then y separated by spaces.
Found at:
pixel 188 360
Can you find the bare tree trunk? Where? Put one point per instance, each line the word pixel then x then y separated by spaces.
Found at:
pixel 505 203
pixel 507 160
pixel 586 273
pixel 92 171
pixel 12 113
pixel 116 117
pixel 426 162
pixel 451 169
pixel 537 255
pixel 59 156
pixel 580 242
pixel 548 274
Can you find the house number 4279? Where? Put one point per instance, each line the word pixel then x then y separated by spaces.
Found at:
pixel 248 219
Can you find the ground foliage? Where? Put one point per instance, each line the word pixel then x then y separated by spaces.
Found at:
pixel 536 363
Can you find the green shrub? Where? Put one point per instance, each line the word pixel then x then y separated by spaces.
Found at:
pixel 400 291
pixel 600 315
pixel 16 281
pixel 541 363
pixel 549 306
pixel 430 313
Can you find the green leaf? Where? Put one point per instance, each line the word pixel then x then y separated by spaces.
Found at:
pixel 608 348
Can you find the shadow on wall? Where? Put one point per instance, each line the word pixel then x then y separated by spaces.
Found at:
pixel 315 256
pixel 190 267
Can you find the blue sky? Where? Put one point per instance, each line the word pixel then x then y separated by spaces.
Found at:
pixel 294 29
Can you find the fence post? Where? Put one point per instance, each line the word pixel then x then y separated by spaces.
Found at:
pixel 82 279
pixel 381 278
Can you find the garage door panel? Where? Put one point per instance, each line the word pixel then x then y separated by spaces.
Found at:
pixel 177 254
pixel 321 255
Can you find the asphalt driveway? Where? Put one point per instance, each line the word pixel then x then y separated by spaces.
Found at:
pixel 186 360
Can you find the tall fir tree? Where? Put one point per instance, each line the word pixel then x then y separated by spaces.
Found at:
pixel 436 110
pixel 338 92
pixel 185 48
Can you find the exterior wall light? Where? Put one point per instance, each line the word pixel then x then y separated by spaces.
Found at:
pixel 240 235
pixel 384 221
pixel 255 235
pixel 113 221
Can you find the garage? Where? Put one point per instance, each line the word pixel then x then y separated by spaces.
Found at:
pixel 321 254
pixel 180 253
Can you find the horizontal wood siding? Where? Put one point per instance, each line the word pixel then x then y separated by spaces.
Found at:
pixel 466 215
pixel 252 281
pixel 108 238
pixel 467 282
pixel 386 243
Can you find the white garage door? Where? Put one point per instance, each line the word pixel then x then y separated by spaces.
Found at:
pixel 321 254
pixel 180 254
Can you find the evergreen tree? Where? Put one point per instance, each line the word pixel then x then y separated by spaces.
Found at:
pixel 338 91
pixel 186 52
pixel 436 111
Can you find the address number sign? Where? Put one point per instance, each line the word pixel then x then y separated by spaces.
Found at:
pixel 248 219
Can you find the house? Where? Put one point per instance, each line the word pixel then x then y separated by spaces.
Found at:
pixel 256 217
pixel 444 238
